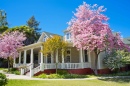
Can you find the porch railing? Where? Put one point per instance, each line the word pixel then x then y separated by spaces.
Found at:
pixel 37 69
pixel 50 66
pixel 67 65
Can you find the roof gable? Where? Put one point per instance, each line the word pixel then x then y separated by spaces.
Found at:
pixel 48 34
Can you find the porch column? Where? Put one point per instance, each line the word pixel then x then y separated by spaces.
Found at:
pixel 89 58
pixel 52 60
pixel 14 62
pixel 31 56
pixel 25 56
pixel 62 60
pixel 19 58
pixel 46 58
pixel 31 67
pixel 81 57
pixel 41 64
pixel 62 57
pixel 57 56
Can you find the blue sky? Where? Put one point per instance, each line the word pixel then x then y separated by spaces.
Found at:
pixel 53 15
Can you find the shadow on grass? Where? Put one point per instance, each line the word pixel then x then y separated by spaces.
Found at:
pixel 121 80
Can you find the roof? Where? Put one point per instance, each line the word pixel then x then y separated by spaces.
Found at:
pixel 50 34
pixel 126 40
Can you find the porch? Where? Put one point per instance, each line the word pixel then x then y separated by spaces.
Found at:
pixel 33 60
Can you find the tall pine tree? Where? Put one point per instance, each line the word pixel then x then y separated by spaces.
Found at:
pixel 3 21
pixel 33 23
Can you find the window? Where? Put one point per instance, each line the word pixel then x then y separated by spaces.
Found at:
pixel 68 51
pixel 85 56
pixel 68 59
pixel 49 58
pixel 68 56
pixel 68 35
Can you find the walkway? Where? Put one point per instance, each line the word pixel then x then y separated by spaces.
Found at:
pixel 23 77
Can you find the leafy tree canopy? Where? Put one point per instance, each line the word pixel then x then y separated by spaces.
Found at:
pixel 29 32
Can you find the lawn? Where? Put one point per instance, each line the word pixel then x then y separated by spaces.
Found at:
pixel 107 82
pixel 3 68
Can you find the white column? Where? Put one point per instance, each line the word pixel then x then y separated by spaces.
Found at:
pixel 25 56
pixel 31 71
pixel 31 67
pixel 81 57
pixel 52 61
pixel 14 62
pixel 19 58
pixel 41 55
pixel 89 59
pixel 31 56
pixel 41 64
pixel 62 57
pixel 62 60
pixel 46 58
pixel 57 56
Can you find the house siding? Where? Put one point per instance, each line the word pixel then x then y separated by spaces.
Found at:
pixel 74 55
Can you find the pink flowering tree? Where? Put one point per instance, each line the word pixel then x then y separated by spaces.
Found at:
pixel 90 31
pixel 9 43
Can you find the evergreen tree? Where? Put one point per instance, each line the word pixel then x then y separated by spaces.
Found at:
pixel 3 21
pixel 33 23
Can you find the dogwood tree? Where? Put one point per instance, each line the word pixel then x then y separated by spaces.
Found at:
pixel 90 31
pixel 9 43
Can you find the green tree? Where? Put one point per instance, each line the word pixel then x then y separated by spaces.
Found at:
pixel 33 23
pixel 3 21
pixel 53 45
pixel 116 59
pixel 29 32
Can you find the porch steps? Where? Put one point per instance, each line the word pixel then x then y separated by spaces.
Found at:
pixel 28 73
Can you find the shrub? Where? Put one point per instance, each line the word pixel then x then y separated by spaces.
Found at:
pixel 74 76
pixel 3 80
pixel 42 76
pixel 16 72
pixel 54 76
pixel 113 61
pixel 13 69
pixel 62 72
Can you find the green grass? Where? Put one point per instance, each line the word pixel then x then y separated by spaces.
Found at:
pixel 105 82
pixel 3 68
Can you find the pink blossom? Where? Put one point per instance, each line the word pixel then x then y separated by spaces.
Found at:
pixel 90 30
pixel 9 43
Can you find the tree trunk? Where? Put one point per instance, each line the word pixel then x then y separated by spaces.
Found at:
pixel 96 61
pixel 8 65
pixel 96 64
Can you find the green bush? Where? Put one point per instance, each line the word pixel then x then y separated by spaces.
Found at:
pixel 16 72
pixel 13 69
pixel 62 72
pixel 42 76
pixel 74 76
pixel 64 76
pixel 54 76
pixel 3 80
